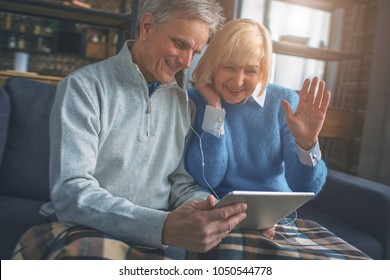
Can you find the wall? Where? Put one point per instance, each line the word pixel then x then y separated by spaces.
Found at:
pixel 374 162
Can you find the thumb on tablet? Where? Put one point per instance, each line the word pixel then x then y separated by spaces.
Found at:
pixel 207 204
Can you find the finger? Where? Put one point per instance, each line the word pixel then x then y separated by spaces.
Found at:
pixel 269 232
pixel 225 212
pixel 211 200
pixel 211 245
pixel 206 204
pixel 325 102
pixel 203 246
pixel 320 94
pixel 304 89
pixel 287 109
pixel 219 235
pixel 223 228
pixel 312 90
pixel 235 220
pixel 210 95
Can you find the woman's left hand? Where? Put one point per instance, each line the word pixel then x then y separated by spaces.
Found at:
pixel 269 232
pixel 307 121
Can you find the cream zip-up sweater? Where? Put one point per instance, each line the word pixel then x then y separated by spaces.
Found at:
pixel 116 153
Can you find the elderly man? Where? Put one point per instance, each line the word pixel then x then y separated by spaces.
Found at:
pixel 118 135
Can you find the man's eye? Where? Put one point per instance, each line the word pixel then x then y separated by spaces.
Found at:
pixel 179 45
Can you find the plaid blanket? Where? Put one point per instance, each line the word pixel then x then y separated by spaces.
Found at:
pixel 302 239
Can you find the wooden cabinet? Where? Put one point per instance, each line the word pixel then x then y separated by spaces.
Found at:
pixel 119 22
pixel 70 13
pixel 102 42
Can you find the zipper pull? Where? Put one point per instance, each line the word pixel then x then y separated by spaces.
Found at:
pixel 149 106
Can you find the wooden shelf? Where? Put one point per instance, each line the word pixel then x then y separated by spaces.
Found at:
pixel 326 5
pixel 64 12
pixel 313 53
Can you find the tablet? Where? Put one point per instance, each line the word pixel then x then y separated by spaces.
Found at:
pixel 265 209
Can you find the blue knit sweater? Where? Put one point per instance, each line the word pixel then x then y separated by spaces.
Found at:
pixel 257 151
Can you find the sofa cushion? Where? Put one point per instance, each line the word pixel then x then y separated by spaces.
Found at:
pixel 25 166
pixel 17 216
pixel 4 117
pixel 361 240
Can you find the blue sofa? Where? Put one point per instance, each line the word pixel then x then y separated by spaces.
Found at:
pixel 355 209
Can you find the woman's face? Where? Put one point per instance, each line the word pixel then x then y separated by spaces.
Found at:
pixel 235 83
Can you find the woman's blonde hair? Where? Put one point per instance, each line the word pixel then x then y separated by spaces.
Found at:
pixel 240 40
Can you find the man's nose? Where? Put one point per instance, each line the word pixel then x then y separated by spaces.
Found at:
pixel 186 58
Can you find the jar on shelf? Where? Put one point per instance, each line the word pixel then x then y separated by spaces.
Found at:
pixel 37 29
pixel 95 38
pixel 21 43
pixel 12 42
pixel 22 27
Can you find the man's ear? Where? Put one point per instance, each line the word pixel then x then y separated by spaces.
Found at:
pixel 146 23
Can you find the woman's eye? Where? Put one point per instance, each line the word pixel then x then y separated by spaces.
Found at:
pixel 252 72
pixel 229 68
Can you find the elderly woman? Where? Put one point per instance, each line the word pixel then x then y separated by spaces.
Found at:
pixel 253 135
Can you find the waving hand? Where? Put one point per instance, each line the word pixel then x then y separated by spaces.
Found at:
pixel 306 123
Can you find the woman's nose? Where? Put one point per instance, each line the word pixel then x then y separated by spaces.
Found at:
pixel 238 78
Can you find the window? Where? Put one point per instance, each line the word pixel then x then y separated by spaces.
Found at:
pixel 292 20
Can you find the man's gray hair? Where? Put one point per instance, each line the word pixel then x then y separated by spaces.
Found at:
pixel 208 11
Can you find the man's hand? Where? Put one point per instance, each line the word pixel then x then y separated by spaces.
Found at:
pixel 196 226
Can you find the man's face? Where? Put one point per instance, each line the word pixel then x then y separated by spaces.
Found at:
pixel 170 46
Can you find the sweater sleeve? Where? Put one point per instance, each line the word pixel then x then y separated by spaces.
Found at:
pixel 300 177
pixel 76 194
pixel 206 158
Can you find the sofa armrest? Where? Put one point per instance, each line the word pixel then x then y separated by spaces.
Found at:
pixel 358 202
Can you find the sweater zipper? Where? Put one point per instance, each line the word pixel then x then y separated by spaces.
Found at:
pixel 149 106
pixel 149 109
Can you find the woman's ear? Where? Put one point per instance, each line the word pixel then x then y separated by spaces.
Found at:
pixel 146 23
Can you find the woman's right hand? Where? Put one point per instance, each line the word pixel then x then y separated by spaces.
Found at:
pixel 209 94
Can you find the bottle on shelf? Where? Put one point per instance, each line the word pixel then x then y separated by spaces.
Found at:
pixel 8 21
pixel 40 44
